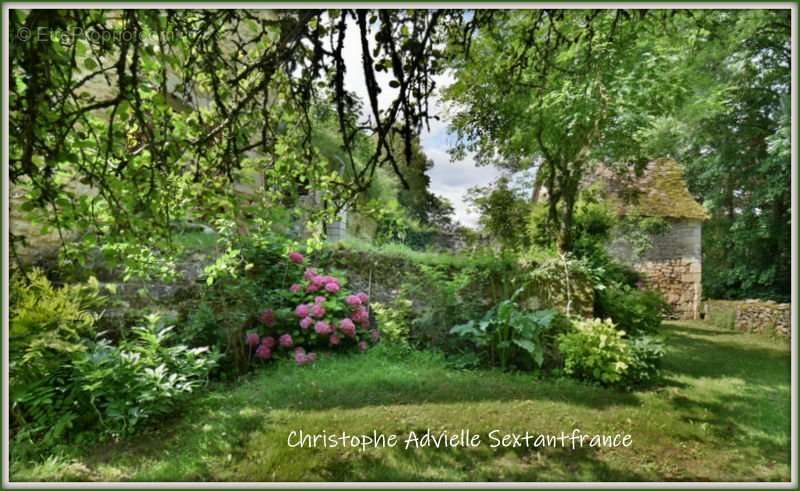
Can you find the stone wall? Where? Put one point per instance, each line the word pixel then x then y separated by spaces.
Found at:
pixel 678 280
pixel 672 266
pixel 750 316
pixel 381 274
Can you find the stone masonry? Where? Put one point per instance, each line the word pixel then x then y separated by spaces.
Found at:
pixel 672 266
pixel 679 281
pixel 750 316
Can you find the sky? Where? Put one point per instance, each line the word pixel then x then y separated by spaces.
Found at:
pixel 448 179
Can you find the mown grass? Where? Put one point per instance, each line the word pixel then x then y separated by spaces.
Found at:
pixel 721 414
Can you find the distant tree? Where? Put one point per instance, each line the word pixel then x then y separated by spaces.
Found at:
pixel 503 213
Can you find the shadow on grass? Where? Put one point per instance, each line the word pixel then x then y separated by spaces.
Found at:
pixel 697 355
pixel 346 383
pixel 755 413
pixel 529 465
pixel 694 352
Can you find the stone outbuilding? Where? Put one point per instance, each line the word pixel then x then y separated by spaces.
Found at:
pixel 673 264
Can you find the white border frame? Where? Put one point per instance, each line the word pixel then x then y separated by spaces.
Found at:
pixel 6 484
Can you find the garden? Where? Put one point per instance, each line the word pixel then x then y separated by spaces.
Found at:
pixel 231 262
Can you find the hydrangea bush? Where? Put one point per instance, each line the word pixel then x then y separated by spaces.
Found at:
pixel 315 312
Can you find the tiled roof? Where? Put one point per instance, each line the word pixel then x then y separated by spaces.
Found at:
pixel 659 192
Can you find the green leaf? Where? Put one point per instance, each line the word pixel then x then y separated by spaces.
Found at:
pixel 525 344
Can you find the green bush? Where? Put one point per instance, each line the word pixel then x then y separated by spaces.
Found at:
pixel 141 378
pixel 635 311
pixel 64 379
pixel 646 355
pixel 238 287
pixel 509 336
pixel 442 298
pixel 393 320
pixel 48 327
pixel 595 350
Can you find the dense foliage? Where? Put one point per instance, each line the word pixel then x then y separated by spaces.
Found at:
pixel 596 350
pixel 636 311
pixel 736 149
pixel 66 378
pixel 509 336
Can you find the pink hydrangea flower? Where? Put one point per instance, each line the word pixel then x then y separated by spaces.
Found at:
pixel 263 352
pixel 252 339
pixel 375 335
pixel 352 300
pixel 268 341
pixel 363 297
pixel 285 341
pixel 359 314
pixel 313 287
pixel 301 358
pixel 332 287
pixel 362 345
pixel 309 274
pixel 347 327
pixel 318 311
pixel 334 339
pixel 301 310
pixel 328 279
pixel 296 288
pixel 306 322
pixel 296 257
pixel 267 318
pixel 364 322
pixel 319 299
pixel 318 280
pixel 322 328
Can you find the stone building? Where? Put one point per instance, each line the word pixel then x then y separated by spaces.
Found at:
pixel 673 264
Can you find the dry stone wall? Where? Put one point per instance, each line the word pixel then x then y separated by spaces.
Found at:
pixel 679 280
pixel 750 316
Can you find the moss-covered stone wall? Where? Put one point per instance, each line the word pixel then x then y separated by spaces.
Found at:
pixel 750 316
pixel 381 275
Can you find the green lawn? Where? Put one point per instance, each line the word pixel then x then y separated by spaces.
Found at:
pixel 722 414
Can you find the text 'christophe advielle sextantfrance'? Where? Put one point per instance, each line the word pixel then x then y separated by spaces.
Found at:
pixel 465 438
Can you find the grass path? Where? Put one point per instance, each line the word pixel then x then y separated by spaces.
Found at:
pixel 722 414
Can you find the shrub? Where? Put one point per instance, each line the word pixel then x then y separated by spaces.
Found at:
pixel 445 296
pixel 595 350
pixel 64 380
pixel 646 355
pixel 393 319
pixel 508 335
pixel 635 311
pixel 48 327
pixel 313 312
pixel 441 300
pixel 141 378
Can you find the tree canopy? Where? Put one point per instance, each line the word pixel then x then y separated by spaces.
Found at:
pixel 124 123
